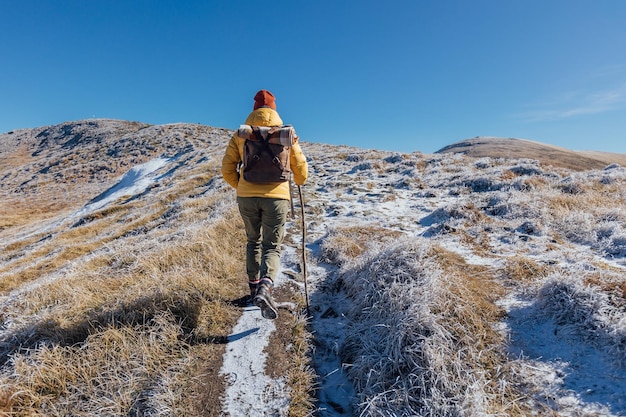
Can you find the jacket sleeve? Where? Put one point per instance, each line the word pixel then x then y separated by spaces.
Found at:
pixel 230 162
pixel 298 164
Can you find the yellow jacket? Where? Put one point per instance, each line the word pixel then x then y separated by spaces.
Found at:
pixel 263 116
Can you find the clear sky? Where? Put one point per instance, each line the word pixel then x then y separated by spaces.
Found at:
pixel 403 75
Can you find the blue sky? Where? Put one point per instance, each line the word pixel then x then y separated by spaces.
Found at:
pixel 403 75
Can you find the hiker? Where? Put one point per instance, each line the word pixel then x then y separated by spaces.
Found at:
pixel 263 205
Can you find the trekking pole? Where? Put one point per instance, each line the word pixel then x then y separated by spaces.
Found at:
pixel 291 197
pixel 304 271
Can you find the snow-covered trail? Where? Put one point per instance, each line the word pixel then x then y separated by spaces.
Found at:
pixel 250 392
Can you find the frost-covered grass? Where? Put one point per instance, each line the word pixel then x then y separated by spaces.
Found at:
pixel 440 285
pixel 420 337
pixel 106 336
pixel 125 309
pixel 586 310
pixel 421 341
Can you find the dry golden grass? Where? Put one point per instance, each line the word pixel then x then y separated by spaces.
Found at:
pixel 470 312
pixel 189 277
pixel 471 316
pixel 289 354
pixel 126 310
pixel 21 244
pixel 473 214
pixel 301 377
pixel 585 196
pixel 507 175
pixel 613 283
pixel 523 270
pixel 350 242
pixel 606 157
pixel 75 242
pixel 69 245
pixel 111 333
pixel 535 182
pixel 115 209
pixel 29 209
pixel 480 242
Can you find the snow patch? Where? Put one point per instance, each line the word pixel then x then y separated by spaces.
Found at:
pixel 134 182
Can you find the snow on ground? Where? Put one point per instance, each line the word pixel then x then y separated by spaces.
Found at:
pixel 575 377
pixel 369 187
pixel 132 184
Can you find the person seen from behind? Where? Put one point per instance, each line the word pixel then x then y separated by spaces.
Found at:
pixel 263 204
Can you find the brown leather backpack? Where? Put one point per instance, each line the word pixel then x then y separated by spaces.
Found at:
pixel 266 153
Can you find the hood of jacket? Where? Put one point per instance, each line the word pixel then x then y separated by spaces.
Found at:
pixel 264 116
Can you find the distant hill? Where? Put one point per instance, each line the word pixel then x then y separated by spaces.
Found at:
pixel 495 147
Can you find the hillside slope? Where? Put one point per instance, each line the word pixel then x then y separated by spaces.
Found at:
pixel 50 169
pixel 548 155
pixel 439 284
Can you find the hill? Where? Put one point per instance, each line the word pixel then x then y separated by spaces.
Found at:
pixel 548 155
pixel 439 284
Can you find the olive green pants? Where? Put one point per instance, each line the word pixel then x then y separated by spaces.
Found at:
pixel 264 220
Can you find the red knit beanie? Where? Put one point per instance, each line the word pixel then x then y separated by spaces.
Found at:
pixel 264 99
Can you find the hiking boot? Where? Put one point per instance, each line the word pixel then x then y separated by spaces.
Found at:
pixel 263 299
pixel 254 285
